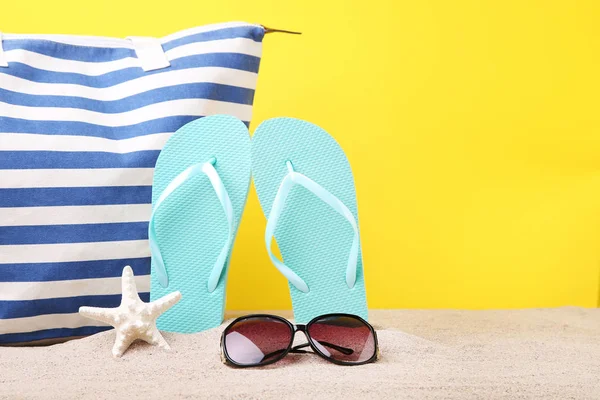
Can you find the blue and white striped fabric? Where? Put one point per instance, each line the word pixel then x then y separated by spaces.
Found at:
pixel 82 121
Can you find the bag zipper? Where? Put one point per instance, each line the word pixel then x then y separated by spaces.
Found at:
pixel 271 30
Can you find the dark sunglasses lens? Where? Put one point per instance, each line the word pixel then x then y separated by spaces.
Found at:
pixel 257 340
pixel 343 338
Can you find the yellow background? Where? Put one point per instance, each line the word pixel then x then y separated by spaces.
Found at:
pixel 473 129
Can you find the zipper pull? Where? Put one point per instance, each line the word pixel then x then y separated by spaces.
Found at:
pixel 271 30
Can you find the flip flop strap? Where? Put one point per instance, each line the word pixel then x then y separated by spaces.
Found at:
pixel 288 182
pixel 209 170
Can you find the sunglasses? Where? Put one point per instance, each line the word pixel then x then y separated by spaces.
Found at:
pixel 262 339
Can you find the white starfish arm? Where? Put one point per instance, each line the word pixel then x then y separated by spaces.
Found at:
pixel 128 286
pixel 154 337
pixel 122 343
pixel 161 305
pixel 106 315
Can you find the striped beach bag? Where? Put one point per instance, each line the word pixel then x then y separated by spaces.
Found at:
pixel 82 121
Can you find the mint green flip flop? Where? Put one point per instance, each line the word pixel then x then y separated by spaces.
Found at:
pixel 306 190
pixel 200 186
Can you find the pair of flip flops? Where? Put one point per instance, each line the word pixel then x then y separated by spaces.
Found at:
pixel 306 191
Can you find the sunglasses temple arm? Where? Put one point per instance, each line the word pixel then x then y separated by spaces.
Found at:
pixel 278 352
pixel 298 349
pixel 343 350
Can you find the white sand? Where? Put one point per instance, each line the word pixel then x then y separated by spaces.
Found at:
pixel 548 353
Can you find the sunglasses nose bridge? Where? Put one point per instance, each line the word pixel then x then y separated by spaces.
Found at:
pixel 299 328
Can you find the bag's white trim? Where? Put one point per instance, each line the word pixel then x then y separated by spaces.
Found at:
pixel 41 142
pixel 80 177
pixel 130 88
pixel 70 215
pixel 66 252
pixel 184 107
pixel 21 291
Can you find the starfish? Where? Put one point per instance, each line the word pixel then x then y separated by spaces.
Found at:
pixel 133 319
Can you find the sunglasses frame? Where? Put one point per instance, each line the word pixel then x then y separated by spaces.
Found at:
pixel 293 329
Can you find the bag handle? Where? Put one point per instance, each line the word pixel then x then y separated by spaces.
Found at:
pixel 150 53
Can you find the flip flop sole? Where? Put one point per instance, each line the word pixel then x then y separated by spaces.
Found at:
pixel 191 226
pixel 314 240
